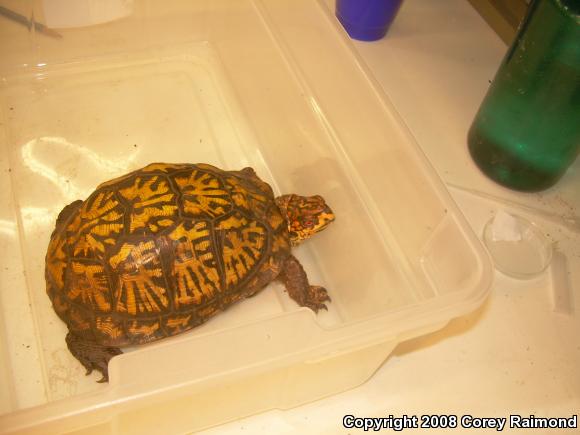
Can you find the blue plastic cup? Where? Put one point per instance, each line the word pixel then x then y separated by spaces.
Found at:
pixel 367 20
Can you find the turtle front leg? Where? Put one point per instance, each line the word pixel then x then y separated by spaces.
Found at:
pixel 91 355
pixel 294 278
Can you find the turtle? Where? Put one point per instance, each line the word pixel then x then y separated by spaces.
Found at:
pixel 162 249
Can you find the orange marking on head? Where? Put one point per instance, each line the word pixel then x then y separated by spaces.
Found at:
pixel 306 215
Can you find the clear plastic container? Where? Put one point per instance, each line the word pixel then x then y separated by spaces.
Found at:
pixel 273 85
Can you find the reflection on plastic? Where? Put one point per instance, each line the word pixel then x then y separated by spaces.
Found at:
pixel 38 215
pixel 7 227
pixel 79 13
pixel 68 189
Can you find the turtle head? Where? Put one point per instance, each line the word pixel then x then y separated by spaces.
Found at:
pixel 305 215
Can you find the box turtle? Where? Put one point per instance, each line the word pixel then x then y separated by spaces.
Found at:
pixel 162 249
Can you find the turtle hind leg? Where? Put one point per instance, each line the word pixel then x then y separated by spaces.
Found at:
pixel 92 355
pixel 294 278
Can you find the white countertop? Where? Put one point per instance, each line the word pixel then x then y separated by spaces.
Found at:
pixel 515 355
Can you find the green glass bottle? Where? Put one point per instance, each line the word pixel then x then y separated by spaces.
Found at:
pixel 527 131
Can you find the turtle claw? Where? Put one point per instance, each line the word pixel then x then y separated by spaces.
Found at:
pixel 316 308
pixel 297 286
pixel 91 355
pixel 315 298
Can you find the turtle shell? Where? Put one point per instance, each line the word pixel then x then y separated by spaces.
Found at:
pixel 162 249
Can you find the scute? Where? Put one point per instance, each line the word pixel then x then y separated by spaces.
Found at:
pixel 88 286
pixel 152 203
pixel 203 195
pixel 158 251
pixel 97 224
pixel 140 287
pixel 196 271
pixel 244 245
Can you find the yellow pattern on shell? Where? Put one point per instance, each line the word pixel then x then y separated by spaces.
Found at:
pixel 162 167
pixel 160 250
pixel 178 323
pixel 108 328
pixel 150 197
pixel 140 287
pixel 100 216
pixel 56 260
pixel 195 268
pixel 140 328
pixel 243 246
pixel 203 195
pixel 89 286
